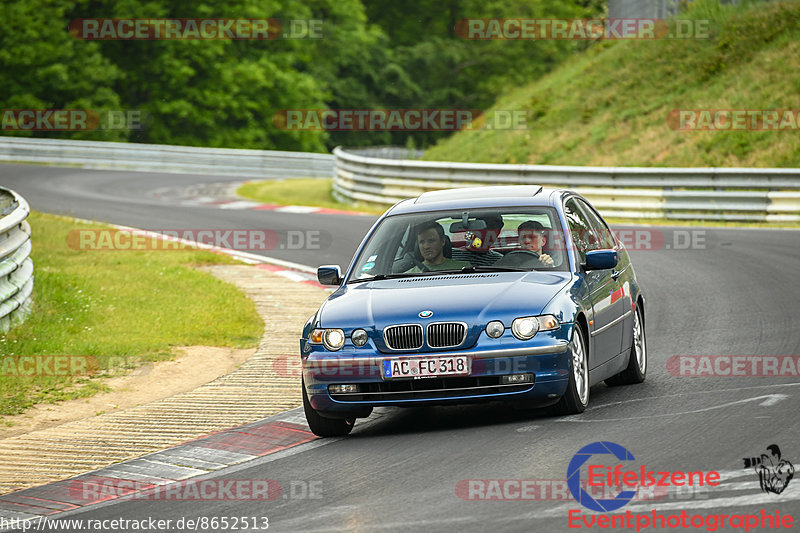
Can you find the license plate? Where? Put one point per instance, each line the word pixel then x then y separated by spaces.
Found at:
pixel 426 367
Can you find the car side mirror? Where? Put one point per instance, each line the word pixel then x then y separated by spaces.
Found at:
pixel 329 275
pixel 601 259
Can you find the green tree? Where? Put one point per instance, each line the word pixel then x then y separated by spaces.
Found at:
pixel 43 67
pixel 225 93
pixel 219 93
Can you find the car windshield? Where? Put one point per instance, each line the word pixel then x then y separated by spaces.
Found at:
pixel 499 239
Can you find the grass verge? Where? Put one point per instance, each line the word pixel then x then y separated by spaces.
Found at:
pixel 312 192
pixel 118 308
pixel 609 106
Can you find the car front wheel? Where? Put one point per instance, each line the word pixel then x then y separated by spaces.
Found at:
pixel 322 426
pixel 576 398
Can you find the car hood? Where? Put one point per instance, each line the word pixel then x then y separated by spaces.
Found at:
pixel 472 298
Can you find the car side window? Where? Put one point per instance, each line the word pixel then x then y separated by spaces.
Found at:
pixel 598 225
pixel 582 234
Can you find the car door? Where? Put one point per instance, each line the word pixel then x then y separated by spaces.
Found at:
pixel 605 328
pixel 621 298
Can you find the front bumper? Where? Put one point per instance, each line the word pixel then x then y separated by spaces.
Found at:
pixel 547 358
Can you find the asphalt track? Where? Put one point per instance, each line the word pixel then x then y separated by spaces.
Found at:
pixel 404 469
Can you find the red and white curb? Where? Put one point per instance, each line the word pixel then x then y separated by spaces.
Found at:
pixel 199 457
pixel 294 275
pixel 183 472
pixel 296 209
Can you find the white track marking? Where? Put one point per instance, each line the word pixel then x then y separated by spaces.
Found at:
pixel 297 209
pixel 239 204
pixel 768 401
pixel 292 275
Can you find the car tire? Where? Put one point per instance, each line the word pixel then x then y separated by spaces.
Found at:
pixel 322 426
pixel 636 370
pixel 576 398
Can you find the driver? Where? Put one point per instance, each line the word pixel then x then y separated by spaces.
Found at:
pixel 532 238
pixel 431 241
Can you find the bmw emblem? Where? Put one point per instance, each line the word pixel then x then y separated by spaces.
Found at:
pixel 425 314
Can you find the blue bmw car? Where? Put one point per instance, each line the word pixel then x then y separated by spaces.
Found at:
pixel 518 294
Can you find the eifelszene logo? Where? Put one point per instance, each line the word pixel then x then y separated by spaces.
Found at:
pixel 612 478
pixel 774 473
pixel 574 477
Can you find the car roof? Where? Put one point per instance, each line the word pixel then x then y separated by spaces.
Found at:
pixel 477 197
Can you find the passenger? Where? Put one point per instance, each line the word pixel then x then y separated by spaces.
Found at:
pixel 431 242
pixel 479 244
pixel 532 238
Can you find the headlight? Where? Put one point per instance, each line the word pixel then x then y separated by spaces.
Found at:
pixel 525 328
pixel 495 329
pixel 332 339
pixel 359 337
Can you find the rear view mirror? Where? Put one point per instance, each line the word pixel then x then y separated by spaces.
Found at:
pixel 329 275
pixel 456 227
pixel 601 259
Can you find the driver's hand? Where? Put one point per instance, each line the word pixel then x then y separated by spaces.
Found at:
pixel 546 260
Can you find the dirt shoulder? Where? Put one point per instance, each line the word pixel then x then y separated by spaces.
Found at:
pixel 192 366
pixel 201 392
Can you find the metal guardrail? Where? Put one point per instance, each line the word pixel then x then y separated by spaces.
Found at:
pixel 16 267
pixel 166 158
pixel 388 152
pixel 385 175
pixel 660 9
pixel 643 9
pixel 736 194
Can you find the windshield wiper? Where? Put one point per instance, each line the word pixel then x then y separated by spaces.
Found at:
pixel 386 276
pixel 466 269
pixel 492 269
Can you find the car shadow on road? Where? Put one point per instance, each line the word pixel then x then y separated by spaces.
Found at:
pixel 409 420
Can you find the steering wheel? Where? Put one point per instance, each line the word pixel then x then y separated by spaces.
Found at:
pixel 419 264
pixel 521 258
